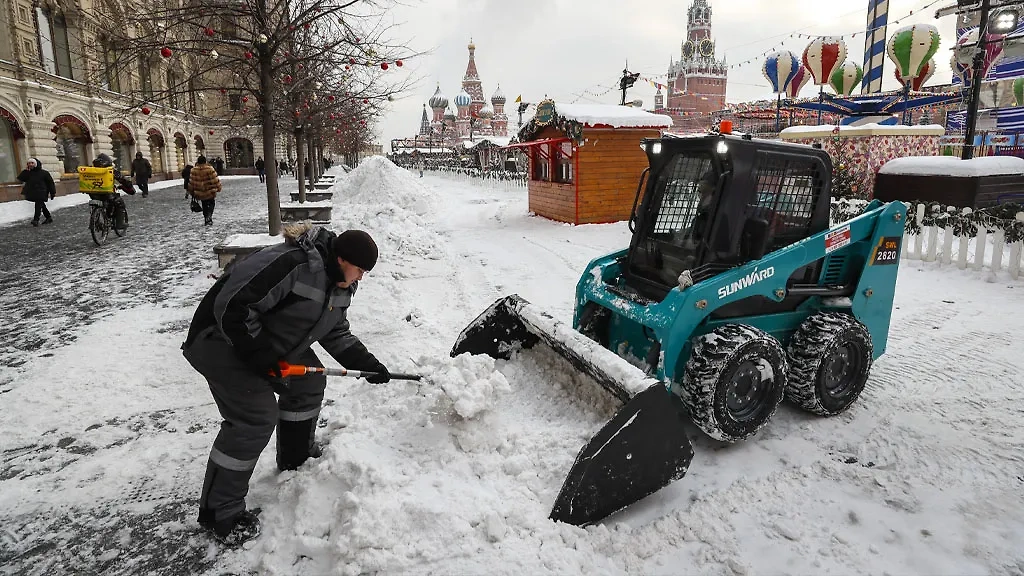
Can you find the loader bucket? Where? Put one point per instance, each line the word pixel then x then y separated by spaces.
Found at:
pixel 640 450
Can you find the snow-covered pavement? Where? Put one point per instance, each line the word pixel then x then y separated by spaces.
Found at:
pixel 105 429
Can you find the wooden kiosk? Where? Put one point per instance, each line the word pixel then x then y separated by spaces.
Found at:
pixel 586 160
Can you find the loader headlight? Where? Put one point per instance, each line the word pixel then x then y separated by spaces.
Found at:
pixel 723 148
pixel 656 148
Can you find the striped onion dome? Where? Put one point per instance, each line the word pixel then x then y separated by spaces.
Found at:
pixel 498 97
pixel 463 99
pixel 438 100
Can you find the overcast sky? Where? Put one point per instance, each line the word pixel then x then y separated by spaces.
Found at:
pixel 574 50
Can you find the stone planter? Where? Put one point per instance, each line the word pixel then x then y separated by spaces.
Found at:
pixel 319 212
pixel 241 245
pixel 313 196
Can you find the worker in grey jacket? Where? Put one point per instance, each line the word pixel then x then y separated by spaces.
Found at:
pixel 273 306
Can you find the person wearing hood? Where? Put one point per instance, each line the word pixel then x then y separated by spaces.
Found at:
pixel 38 186
pixel 142 170
pixel 272 306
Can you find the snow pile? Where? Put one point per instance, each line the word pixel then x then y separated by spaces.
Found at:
pixel 392 205
pixel 953 166
pixel 470 383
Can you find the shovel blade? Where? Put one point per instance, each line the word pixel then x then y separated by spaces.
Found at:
pixel 642 449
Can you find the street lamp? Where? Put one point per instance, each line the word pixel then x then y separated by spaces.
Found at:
pixel 1004 21
pixel 1001 22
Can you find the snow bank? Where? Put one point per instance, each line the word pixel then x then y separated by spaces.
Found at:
pixel 870 129
pixel 953 166
pixel 392 205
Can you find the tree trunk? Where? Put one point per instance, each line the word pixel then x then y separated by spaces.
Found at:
pixel 269 152
pixel 312 160
pixel 300 169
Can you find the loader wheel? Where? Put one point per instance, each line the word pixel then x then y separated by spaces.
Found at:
pixel 734 381
pixel 829 358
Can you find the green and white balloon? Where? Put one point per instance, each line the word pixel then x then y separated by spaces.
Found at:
pixel 911 47
pixel 846 77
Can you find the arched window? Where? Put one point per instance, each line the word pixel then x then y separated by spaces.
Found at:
pixel 121 141
pixel 71 143
pixel 10 161
pixel 54 47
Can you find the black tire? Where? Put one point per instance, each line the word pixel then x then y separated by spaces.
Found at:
pixel 726 389
pixel 98 226
pixel 829 358
pixel 124 230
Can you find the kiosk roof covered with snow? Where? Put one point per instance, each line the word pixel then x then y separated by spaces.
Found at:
pixel 585 159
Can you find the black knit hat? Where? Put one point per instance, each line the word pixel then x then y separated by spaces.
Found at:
pixel 356 247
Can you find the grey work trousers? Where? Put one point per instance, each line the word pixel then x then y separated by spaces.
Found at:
pixel 250 411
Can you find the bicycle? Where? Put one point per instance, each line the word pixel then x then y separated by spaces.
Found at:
pixel 104 213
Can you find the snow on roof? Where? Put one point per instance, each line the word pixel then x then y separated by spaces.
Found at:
pixel 497 140
pixel 591 115
pixel 872 129
pixel 953 166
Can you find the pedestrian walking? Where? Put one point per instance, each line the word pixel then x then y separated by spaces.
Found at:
pixel 260 165
pixel 273 306
pixel 142 171
pixel 186 173
pixel 38 186
pixel 204 184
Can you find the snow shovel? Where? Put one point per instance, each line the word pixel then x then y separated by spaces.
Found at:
pixel 298 370
pixel 642 449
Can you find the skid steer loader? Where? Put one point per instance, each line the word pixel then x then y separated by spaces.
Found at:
pixel 733 294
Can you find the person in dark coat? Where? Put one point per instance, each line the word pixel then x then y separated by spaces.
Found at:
pixel 185 173
pixel 142 171
pixel 260 165
pixel 271 307
pixel 38 186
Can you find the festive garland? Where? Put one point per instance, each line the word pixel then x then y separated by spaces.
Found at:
pixel 571 128
pixel 1002 217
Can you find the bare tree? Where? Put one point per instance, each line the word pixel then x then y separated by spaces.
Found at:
pixel 295 61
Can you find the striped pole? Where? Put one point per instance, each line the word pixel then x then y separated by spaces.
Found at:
pixel 874 46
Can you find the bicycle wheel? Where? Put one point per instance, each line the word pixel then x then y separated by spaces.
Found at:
pixel 98 226
pixel 123 230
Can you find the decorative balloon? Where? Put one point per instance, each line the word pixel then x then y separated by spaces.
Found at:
pixel 779 68
pixel 916 83
pixel 846 77
pixel 910 49
pixel 966 46
pixel 1018 92
pixel 800 79
pixel 822 56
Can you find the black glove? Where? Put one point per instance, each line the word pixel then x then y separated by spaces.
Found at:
pixel 263 361
pixel 52 196
pixel 357 357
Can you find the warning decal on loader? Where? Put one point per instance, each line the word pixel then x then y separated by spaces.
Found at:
pixel 837 238
pixel 887 251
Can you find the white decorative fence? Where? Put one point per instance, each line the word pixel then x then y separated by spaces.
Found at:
pixel 956 238
pixel 990 238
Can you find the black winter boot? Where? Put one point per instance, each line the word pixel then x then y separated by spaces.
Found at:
pixel 295 443
pixel 235 531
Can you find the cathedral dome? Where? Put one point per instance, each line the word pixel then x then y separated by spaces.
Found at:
pixel 486 112
pixel 463 99
pixel 498 98
pixel 438 100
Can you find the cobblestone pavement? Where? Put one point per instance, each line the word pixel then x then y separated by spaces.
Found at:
pixel 56 281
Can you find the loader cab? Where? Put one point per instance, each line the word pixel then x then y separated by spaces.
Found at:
pixel 714 202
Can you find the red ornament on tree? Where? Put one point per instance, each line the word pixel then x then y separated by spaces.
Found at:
pixel 358 39
pixel 383 65
pixel 346 67
pixel 288 79
pixel 363 122
pixel 223 91
pixel 332 115
pixel 331 97
pixel 398 63
pixel 351 60
pixel 211 132
pixel 338 131
pixel 306 25
pixel 245 98
pixel 165 52
pixel 146 110
pixel 208 31
pixel 248 55
pixel 366 101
